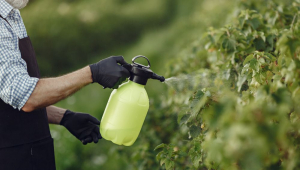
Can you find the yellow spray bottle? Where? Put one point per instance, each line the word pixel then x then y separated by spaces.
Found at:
pixel 128 105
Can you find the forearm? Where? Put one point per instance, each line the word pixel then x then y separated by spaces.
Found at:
pixel 55 114
pixel 49 91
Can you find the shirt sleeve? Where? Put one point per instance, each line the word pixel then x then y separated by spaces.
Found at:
pixel 16 85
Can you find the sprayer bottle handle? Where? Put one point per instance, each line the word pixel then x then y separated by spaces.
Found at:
pixel 140 56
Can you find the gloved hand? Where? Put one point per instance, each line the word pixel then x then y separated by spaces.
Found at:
pixel 109 73
pixel 83 126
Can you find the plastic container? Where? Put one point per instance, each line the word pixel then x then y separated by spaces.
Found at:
pixel 125 113
pixel 127 106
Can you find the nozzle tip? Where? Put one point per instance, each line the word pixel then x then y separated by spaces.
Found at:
pixel 160 78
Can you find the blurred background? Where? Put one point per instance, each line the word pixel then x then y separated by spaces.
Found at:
pixel 70 34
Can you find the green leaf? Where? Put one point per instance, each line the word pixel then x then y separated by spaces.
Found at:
pixel 261 60
pixel 270 41
pixel 241 79
pixel 195 131
pixel 184 119
pixel 281 60
pixel 241 21
pixel 248 58
pixel 262 36
pixel 259 44
pixel 270 56
pixel 229 45
pixel 258 78
pixel 196 160
pixel 160 146
pixel 199 94
pixel 254 65
pixel 162 161
pixel 197 104
pixel 293 44
pixel 254 23
pixel 159 156
pixel 169 164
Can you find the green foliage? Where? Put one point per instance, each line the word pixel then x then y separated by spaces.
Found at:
pixel 232 99
pixel 244 114
pixel 160 125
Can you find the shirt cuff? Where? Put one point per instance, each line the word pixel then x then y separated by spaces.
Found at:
pixel 32 81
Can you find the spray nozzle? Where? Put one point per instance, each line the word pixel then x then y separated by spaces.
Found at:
pixel 157 77
pixel 140 73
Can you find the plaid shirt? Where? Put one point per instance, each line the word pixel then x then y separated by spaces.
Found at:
pixel 15 84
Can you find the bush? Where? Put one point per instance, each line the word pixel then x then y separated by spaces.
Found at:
pixel 239 106
pixel 159 45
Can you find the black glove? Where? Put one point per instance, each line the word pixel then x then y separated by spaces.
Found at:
pixel 109 73
pixel 83 126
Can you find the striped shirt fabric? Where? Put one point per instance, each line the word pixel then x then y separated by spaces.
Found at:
pixel 16 85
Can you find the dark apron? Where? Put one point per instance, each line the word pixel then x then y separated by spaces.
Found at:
pixel 25 136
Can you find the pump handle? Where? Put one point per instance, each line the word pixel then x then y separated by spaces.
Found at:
pixel 140 56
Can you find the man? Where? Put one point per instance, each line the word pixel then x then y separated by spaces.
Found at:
pixel 26 99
